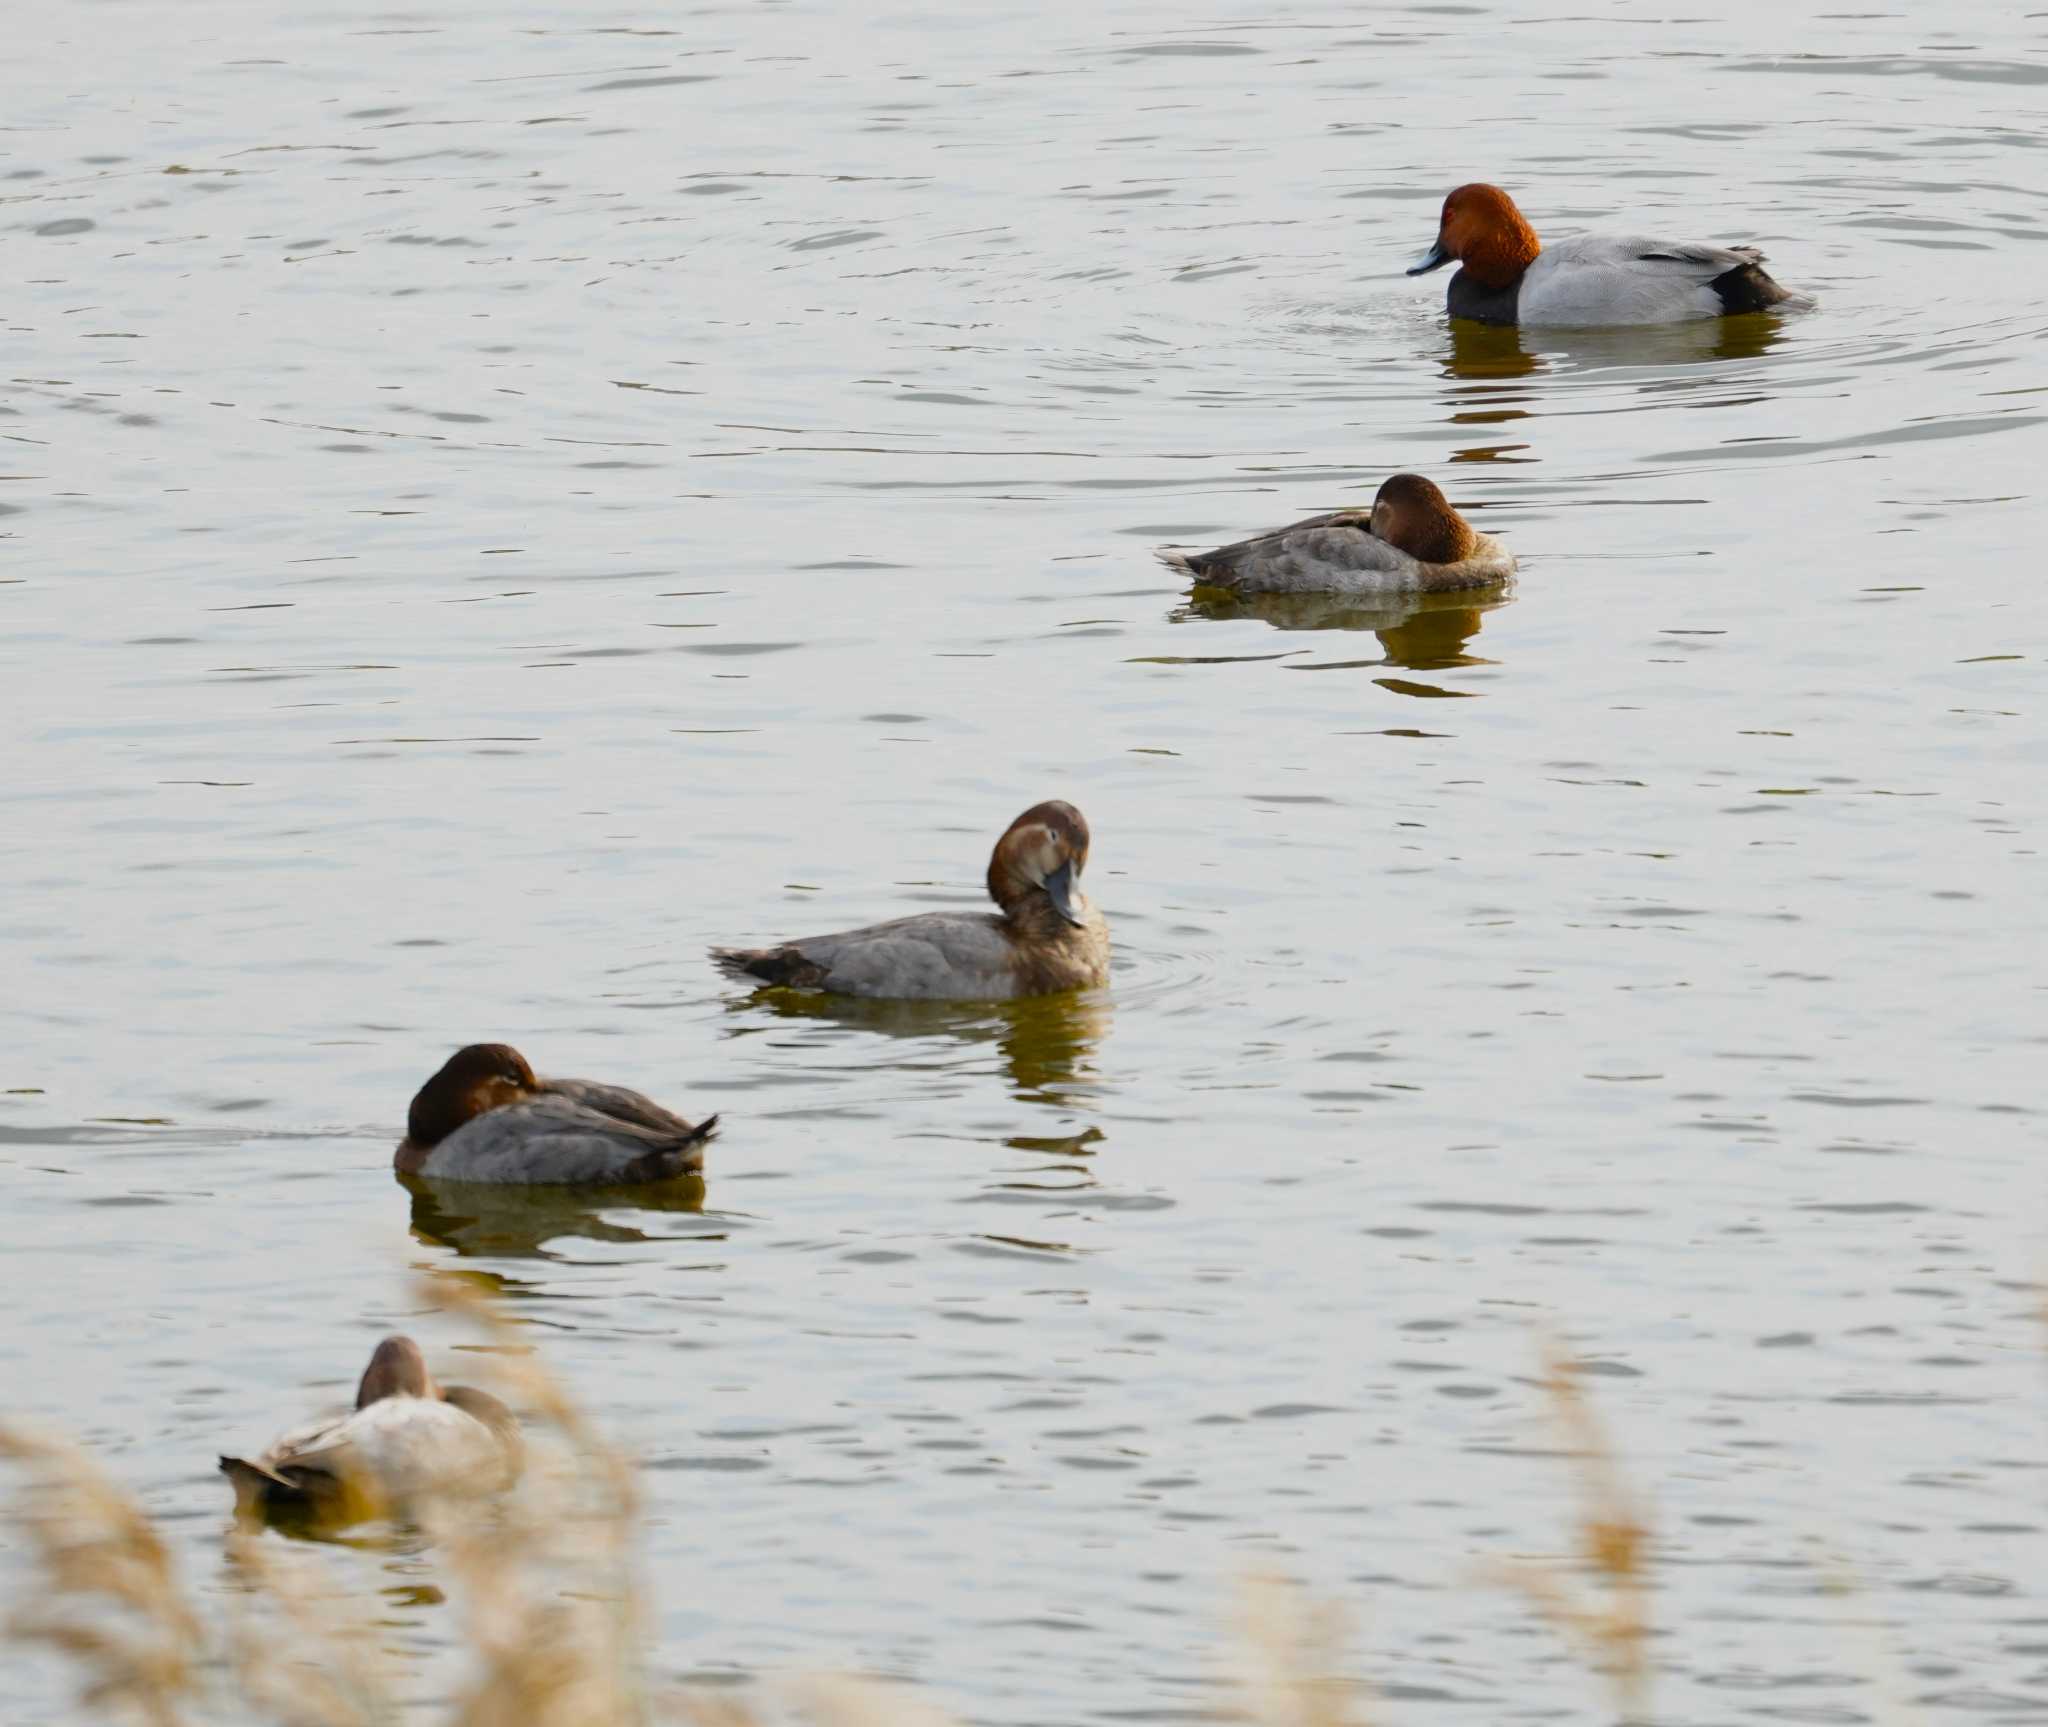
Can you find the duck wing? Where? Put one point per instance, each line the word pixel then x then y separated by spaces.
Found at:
pixel 931 956
pixel 1637 279
pixel 408 1446
pixel 388 1452
pixel 621 1104
pixel 558 1137
pixel 302 1464
pixel 1686 260
pixel 1308 556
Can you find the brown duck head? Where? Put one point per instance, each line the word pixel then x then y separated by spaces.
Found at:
pixel 1409 512
pixel 1481 229
pixel 1044 852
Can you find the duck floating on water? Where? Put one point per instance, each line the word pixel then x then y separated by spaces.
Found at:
pixel 1410 542
pixel 1045 936
pixel 406 1438
pixel 1508 276
pixel 486 1117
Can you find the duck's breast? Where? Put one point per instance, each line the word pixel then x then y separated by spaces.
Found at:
pixel 1489 564
pixel 1628 279
pixel 1052 958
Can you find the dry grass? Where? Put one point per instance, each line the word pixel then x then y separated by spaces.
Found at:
pixel 110 1596
pixel 1605 1609
pixel 1293 1645
pixel 302 1652
pixel 552 1609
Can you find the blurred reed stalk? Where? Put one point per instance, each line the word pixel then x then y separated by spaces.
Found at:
pixel 1293 1647
pixel 553 1615
pixel 1605 1610
pixel 110 1598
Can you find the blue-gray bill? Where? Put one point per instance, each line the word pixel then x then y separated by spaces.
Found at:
pixel 1435 258
pixel 1059 888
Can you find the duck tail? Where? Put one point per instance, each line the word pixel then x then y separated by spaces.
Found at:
pixel 783 966
pixel 1749 287
pixel 1175 559
pixel 255 1486
pixel 736 961
pixel 683 1155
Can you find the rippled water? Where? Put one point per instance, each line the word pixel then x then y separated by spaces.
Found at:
pixel 496 499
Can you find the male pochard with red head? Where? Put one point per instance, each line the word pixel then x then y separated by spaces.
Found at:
pixel 1410 542
pixel 1044 937
pixel 406 1438
pixel 1508 276
pixel 487 1117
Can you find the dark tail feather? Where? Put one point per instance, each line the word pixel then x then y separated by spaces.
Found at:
pixel 255 1487
pixel 1215 569
pixel 1751 288
pixel 683 1156
pixel 785 966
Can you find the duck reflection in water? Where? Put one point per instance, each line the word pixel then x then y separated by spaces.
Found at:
pixel 483 1218
pixel 1425 632
pixel 1482 353
pixel 1047 1042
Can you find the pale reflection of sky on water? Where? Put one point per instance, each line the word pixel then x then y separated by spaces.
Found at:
pixel 495 500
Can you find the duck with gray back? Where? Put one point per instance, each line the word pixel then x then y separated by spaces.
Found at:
pixel 1507 276
pixel 486 1117
pixel 1044 937
pixel 1410 542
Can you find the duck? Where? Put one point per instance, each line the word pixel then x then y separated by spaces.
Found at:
pixel 405 1439
pixel 485 1117
pixel 1410 542
pixel 1507 276
pixel 1045 936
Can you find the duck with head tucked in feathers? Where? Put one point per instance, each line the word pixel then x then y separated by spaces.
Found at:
pixel 1045 936
pixel 1508 276
pixel 486 1117
pixel 1410 542
pixel 406 1438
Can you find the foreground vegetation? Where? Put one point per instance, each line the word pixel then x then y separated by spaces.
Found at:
pixel 552 1610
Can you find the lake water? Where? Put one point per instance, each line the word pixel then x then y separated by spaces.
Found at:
pixel 499 498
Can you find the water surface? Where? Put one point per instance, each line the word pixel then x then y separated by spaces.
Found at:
pixel 497 499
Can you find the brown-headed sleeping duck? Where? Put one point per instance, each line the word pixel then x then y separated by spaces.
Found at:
pixel 485 1117
pixel 406 1438
pixel 1044 937
pixel 1508 276
pixel 1410 542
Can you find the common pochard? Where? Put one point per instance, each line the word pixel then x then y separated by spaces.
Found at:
pixel 1507 276
pixel 485 1117
pixel 1411 541
pixel 406 1438
pixel 1044 937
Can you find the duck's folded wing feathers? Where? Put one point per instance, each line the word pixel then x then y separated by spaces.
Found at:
pixel 926 956
pixel 556 1138
pixel 1289 557
pixel 621 1104
pixel 1692 260
pixel 412 1445
pixel 396 1446
pixel 292 1463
